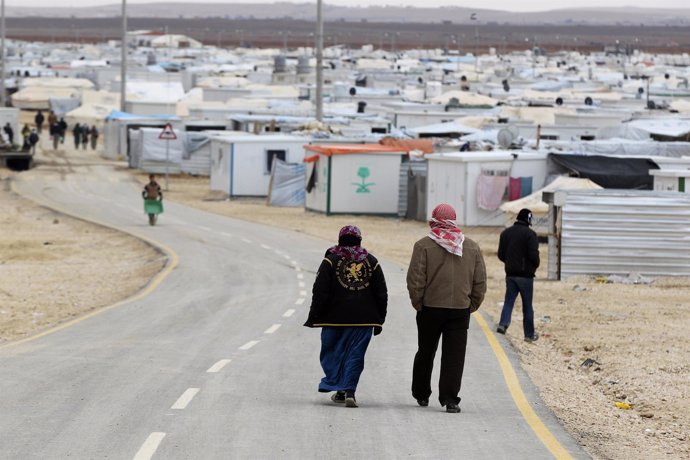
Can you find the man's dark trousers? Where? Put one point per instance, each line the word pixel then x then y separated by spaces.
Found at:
pixel 432 323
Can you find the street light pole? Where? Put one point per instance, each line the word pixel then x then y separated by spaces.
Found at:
pixel 319 60
pixel 2 54
pixel 123 66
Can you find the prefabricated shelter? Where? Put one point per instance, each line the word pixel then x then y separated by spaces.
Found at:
pixel 117 127
pixel 353 178
pixel 185 153
pixel 671 180
pixel 476 183
pixel 241 164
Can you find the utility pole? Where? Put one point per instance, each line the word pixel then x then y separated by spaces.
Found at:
pixel 2 55
pixel 319 60
pixel 123 66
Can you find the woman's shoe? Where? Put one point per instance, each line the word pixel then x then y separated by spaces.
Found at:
pixel 350 400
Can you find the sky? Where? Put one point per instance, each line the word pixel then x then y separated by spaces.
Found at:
pixel 509 5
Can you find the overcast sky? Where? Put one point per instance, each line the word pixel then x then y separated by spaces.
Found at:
pixel 512 5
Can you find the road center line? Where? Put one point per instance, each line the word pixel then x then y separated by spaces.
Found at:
pixel 249 344
pixel 247 240
pixel 230 235
pixel 301 284
pixel 297 269
pixel 267 247
pixel 303 293
pixel 272 329
pixel 286 257
pixel 150 446
pixel 218 366
pixel 300 276
pixel 299 301
pixel 186 398
pixel 289 313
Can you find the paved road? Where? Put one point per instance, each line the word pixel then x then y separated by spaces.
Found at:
pixel 215 364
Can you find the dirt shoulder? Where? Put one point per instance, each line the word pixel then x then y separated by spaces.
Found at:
pixel 54 268
pixel 636 334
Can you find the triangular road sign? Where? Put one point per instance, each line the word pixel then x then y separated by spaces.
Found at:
pixel 168 134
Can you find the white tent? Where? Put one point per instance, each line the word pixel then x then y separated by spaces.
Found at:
pixel 534 202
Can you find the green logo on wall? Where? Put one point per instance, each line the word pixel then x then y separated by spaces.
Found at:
pixel 363 187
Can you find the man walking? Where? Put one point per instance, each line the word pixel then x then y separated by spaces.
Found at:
pixel 446 281
pixel 518 249
pixel 39 119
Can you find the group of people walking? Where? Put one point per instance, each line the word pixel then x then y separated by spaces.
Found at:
pixel 446 283
pixel 57 128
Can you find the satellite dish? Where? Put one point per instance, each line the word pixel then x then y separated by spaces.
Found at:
pixel 588 101
pixel 559 101
pixel 353 91
pixel 640 90
pixel 505 138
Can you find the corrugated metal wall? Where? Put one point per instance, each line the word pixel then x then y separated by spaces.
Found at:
pixel 625 231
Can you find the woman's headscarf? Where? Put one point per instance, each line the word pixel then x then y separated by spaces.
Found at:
pixel 444 231
pixel 349 241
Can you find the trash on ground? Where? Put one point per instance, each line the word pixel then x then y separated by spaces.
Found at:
pixel 589 362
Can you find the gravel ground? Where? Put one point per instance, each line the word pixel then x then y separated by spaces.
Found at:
pixel 52 267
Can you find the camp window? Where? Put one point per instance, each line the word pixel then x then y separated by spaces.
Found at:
pixel 587 138
pixel 381 130
pixel 270 154
pixel 548 137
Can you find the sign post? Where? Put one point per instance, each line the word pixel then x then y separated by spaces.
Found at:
pixel 168 135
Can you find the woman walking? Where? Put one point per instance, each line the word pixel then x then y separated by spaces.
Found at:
pixel 349 302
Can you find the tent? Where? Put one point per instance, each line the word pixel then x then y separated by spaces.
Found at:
pixel 608 172
pixel 540 209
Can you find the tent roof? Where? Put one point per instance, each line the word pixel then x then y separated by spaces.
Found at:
pixel 534 201
pixel 339 149
pixel 442 128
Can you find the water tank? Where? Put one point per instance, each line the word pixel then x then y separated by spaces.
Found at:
pixel 279 64
pixel 303 65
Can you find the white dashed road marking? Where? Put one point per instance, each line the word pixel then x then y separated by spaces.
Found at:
pixel 149 447
pixel 267 247
pixel 218 366
pixel 304 293
pixel 299 301
pixel 246 240
pixel 301 284
pixel 248 345
pixel 185 399
pixel 300 276
pixel 272 329
pixel 289 313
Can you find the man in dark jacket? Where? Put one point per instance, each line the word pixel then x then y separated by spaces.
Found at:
pixel 39 119
pixel 349 303
pixel 518 249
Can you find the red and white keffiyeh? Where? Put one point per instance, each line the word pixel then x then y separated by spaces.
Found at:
pixel 444 231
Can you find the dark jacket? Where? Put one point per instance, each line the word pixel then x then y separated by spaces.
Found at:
pixel 518 249
pixel 348 293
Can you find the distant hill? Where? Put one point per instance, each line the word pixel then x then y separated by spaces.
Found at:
pixel 307 11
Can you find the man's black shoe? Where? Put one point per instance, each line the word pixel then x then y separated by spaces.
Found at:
pixel 423 402
pixel 338 397
pixel 501 329
pixel 452 408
